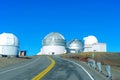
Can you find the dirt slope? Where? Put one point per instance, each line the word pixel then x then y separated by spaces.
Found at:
pixel 110 58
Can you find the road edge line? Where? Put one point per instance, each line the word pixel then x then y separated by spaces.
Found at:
pixel 81 67
pixel 11 69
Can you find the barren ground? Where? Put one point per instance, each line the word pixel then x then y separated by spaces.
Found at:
pixel 7 61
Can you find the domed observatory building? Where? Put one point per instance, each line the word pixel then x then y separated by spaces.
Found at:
pixel 91 44
pixel 8 44
pixel 53 43
pixel 75 46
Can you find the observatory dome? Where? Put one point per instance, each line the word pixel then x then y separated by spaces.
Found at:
pixel 8 44
pixel 8 39
pixel 54 38
pixel 90 40
pixel 76 45
pixel 53 43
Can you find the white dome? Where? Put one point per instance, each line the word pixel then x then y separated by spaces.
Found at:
pixel 8 39
pixel 90 40
pixel 8 44
pixel 53 43
pixel 54 35
pixel 54 38
pixel 75 44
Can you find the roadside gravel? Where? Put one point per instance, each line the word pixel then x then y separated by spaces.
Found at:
pixel 4 62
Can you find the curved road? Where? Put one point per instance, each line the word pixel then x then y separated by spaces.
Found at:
pixel 25 70
pixel 63 70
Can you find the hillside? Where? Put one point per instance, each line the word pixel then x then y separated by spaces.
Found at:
pixel 108 58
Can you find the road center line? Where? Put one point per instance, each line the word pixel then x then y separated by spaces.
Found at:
pixel 45 71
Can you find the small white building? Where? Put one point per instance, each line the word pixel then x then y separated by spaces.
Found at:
pixel 99 47
pixel 8 44
pixel 53 43
pixel 91 44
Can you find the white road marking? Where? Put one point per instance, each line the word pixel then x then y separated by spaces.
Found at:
pixel 81 67
pixel 18 67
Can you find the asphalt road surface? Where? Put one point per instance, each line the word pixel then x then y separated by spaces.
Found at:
pixel 63 70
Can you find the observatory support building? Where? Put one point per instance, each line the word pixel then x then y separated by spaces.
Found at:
pixel 91 44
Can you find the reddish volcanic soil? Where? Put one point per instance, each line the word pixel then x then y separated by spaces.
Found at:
pixel 112 59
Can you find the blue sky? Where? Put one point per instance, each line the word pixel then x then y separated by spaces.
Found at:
pixel 32 20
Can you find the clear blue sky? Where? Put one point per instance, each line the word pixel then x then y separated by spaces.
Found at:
pixel 32 20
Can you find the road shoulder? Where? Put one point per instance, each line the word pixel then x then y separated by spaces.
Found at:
pixel 95 74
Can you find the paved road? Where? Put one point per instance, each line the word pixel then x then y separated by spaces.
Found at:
pixel 25 70
pixel 63 70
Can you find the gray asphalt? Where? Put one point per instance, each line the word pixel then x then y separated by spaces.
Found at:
pixel 63 70
pixel 25 70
